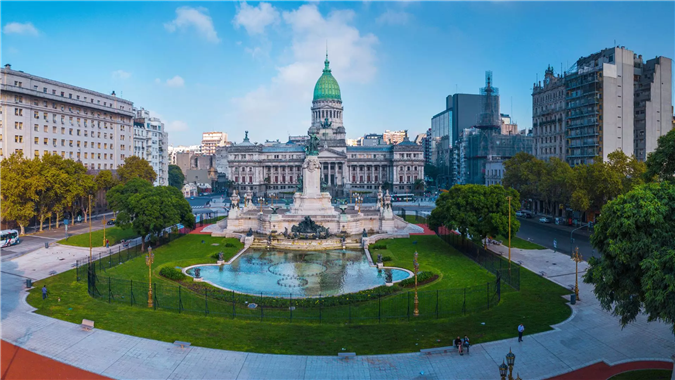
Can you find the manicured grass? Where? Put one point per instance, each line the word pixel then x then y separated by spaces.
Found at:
pixel 644 374
pixel 538 305
pixel 113 234
pixel 517 242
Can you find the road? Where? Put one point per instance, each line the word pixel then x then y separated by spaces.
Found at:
pixel 544 234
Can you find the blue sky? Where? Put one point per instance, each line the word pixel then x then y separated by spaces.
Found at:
pixel 232 67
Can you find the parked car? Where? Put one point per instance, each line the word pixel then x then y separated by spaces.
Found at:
pixel 110 222
pixel 545 219
pixel 519 213
pixel 527 214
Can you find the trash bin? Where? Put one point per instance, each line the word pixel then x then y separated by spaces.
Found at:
pixel 573 299
pixel 46 244
pixel 29 283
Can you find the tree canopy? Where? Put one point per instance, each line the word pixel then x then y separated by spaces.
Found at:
pixel 636 270
pixel 176 177
pixel 661 162
pixel 136 167
pixel 148 209
pixel 476 211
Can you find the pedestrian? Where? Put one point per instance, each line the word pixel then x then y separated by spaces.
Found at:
pixel 107 243
pixel 44 292
pixel 466 343
pixel 521 328
pixel 458 344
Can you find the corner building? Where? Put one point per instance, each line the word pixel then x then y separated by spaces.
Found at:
pixel 276 168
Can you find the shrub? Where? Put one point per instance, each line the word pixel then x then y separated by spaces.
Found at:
pixel 229 245
pixel 386 258
pixel 172 274
pixel 377 246
pixel 421 277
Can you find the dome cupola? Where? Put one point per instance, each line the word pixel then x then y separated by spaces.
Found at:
pixel 327 87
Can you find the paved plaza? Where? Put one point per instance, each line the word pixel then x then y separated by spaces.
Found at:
pixel 589 336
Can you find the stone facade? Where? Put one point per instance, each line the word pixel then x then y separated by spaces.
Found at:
pixel 276 167
pixel 548 117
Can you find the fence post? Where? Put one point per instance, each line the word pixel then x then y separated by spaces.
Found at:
pixel 154 295
pixel 350 311
pixel 290 304
pixel 320 308
pixel 206 301
pixel 77 270
pixel 379 308
pixel 233 311
pixel 437 305
pixel 488 295
pixel 108 289
pixel 131 292
pixel 464 303
pixel 261 307
pixel 180 300
pixel 408 305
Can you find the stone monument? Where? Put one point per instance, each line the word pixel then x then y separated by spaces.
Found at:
pixel 312 201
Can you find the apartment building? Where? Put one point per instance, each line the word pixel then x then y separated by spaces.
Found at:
pixel 151 143
pixel 40 116
pixel 213 140
pixel 548 116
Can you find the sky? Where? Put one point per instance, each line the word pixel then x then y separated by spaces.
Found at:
pixel 236 66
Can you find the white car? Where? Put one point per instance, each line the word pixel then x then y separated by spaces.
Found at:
pixel 545 219
pixel 519 213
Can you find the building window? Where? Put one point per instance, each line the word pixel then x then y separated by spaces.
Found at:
pixel 18 139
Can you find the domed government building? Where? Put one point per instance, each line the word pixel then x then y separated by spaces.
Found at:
pixel 275 167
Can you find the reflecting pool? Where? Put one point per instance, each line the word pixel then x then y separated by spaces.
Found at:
pixel 300 273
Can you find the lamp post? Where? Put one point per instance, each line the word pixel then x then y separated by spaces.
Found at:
pixel 503 370
pixel 507 368
pixel 576 256
pixel 572 233
pixel 510 360
pixel 90 246
pixel 104 230
pixel 261 201
pixel 417 302
pixel 149 258
pixel 273 196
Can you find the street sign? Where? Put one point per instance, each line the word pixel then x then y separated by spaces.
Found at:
pixel 65 221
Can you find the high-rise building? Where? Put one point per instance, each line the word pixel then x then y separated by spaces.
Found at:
pixel 151 144
pixel 41 116
pixel 394 137
pixel 548 116
pixel 653 103
pixel 508 127
pixel 600 108
pixel 213 140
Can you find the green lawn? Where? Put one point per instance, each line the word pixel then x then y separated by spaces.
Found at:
pixel 644 374
pixel 517 242
pixel 113 234
pixel 538 305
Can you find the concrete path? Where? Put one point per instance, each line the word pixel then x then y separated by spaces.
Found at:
pixel 589 336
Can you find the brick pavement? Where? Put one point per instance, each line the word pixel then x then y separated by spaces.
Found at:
pixel 589 336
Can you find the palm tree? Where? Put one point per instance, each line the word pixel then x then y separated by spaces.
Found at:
pixel 418 186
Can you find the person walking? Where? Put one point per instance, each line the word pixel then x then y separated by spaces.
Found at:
pixel 107 243
pixel 521 328
pixel 458 344
pixel 466 343
pixel 44 292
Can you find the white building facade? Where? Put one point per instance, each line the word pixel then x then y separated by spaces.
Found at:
pixel 213 140
pixel 151 144
pixel 41 116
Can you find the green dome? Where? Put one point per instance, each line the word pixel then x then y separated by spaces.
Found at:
pixel 327 87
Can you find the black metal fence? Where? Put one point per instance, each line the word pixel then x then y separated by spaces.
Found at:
pixel 383 303
pixel 491 261
pixel 414 216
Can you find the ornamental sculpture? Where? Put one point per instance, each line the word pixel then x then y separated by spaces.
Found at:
pixel 307 228
pixel 313 145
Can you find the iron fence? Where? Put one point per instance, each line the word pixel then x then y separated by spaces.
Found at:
pixel 494 263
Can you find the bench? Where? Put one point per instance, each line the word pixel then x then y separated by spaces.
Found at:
pixel 438 350
pixel 182 344
pixel 345 355
pixel 87 324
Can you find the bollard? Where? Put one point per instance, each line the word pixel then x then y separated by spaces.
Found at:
pixel 573 299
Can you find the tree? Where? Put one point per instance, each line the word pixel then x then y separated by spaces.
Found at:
pixel 595 184
pixel 136 167
pixel 176 177
pixel 476 211
pixel 418 185
pixel 105 180
pixel 556 183
pixel 19 193
pixel 431 171
pixel 661 162
pixel 630 171
pixel 523 172
pixel 148 209
pixel 635 272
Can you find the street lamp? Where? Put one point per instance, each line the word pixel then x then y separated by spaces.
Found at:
pixel 510 360
pixel 273 196
pixel 417 268
pixel 502 370
pixel 261 201
pixel 576 256
pixel 149 258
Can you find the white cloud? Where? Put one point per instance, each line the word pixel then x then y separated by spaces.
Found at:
pixel 255 19
pixel 121 74
pixel 392 17
pixel 176 81
pixel 197 18
pixel 176 126
pixel 285 101
pixel 26 29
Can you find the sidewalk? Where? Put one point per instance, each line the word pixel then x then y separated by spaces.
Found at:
pixel 589 336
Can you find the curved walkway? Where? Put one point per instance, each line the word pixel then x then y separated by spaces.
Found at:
pixel 590 336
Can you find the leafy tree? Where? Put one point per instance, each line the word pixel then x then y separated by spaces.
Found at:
pixel 556 183
pixel 418 185
pixel 136 167
pixel 176 177
pixel 148 209
pixel 661 162
pixel 630 171
pixel 19 192
pixel 635 272
pixel 105 180
pixel 476 211
pixel 595 184
pixel 524 172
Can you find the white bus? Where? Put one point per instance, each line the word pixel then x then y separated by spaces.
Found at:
pixel 9 237
pixel 402 197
